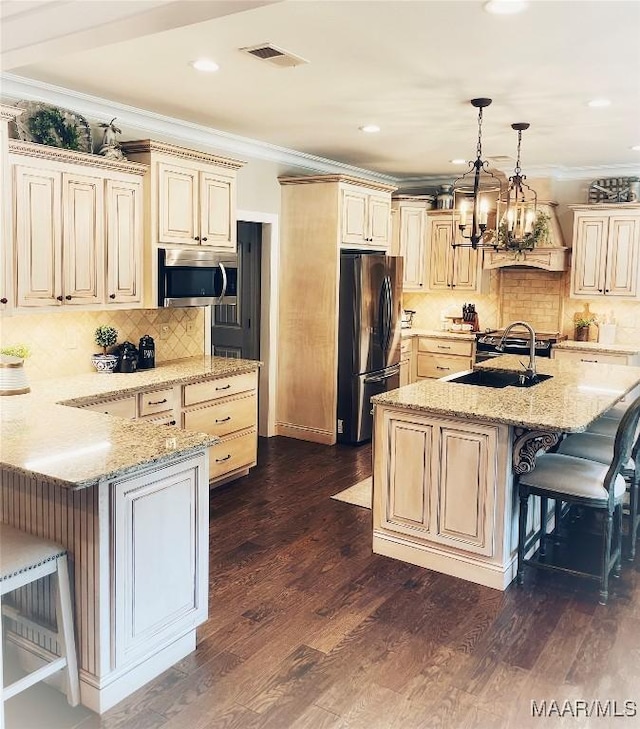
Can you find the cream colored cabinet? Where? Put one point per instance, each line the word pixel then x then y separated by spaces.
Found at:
pixel 7 113
pixel 366 219
pixel 225 407
pixel 406 362
pixel 77 228
pixel 409 239
pixel 441 480
pixel 606 251
pixel 451 268
pixel 121 408
pixel 441 356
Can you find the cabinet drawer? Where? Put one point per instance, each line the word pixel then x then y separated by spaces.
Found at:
pixel 435 365
pixel 150 403
pixel 223 418
pixel 125 408
pixel 233 454
pixel 445 346
pixel 584 356
pixel 406 345
pixel 214 389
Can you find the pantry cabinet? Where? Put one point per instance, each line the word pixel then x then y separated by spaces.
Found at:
pixel 77 228
pixel 409 229
pixel 606 251
pixel 450 269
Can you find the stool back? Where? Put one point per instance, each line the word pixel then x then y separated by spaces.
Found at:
pixel 626 445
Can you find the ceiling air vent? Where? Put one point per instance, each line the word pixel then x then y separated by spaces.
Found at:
pixel 277 56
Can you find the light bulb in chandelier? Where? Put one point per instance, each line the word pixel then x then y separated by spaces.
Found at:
pixel 517 228
pixel 476 198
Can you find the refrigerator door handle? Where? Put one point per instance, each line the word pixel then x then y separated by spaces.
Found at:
pixel 385 375
pixel 385 313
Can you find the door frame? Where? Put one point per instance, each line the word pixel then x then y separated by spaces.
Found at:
pixel 270 260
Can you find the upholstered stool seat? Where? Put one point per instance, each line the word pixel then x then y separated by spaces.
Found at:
pixel 604 426
pixel 25 559
pixel 593 446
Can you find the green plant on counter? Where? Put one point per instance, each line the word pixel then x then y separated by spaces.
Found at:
pixel 105 336
pixel 584 322
pixel 16 350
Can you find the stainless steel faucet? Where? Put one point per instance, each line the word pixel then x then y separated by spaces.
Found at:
pixel 530 371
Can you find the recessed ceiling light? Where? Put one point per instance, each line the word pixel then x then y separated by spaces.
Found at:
pixel 635 148
pixel 598 103
pixel 505 7
pixel 370 128
pixel 204 64
pixel 458 161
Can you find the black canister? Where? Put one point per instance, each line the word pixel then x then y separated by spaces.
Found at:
pixel 128 357
pixel 146 353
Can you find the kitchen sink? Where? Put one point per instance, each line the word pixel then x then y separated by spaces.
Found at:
pixel 493 378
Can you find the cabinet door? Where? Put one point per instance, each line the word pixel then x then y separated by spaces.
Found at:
pixel 38 229
pixel 124 241
pixel 379 222
pixel 440 254
pixel 160 568
pixel 83 239
pixel 6 250
pixel 217 203
pixel 466 488
pixel 466 262
pixel 412 245
pixel 178 205
pixel 621 273
pixel 589 256
pixel 405 372
pixel 354 217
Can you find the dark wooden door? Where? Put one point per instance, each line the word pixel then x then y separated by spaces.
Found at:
pixel 235 330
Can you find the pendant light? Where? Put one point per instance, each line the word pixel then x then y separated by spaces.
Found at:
pixel 477 196
pixel 517 226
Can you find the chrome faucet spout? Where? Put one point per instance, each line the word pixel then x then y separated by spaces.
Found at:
pixel 530 371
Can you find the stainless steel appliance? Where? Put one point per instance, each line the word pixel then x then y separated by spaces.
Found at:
pixel 196 277
pixel 368 338
pixel 515 343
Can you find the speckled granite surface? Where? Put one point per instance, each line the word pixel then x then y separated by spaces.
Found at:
pixel 597 347
pixel 465 336
pixel 575 396
pixel 78 448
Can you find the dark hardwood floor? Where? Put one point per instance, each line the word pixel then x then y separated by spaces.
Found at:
pixel 309 630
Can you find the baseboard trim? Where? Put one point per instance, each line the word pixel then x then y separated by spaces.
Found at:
pixel 301 432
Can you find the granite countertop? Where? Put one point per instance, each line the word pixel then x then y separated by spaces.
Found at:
pixel 436 333
pixel 598 347
pixel 576 394
pixel 77 448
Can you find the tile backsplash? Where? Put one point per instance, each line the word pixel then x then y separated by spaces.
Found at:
pixel 62 343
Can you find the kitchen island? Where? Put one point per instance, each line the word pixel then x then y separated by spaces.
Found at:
pixel 129 499
pixel 446 456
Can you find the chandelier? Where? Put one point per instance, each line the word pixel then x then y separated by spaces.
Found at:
pixel 517 229
pixel 476 199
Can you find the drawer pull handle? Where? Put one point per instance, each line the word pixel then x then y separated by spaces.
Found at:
pixel 157 402
pixel 223 420
pixel 442 346
pixel 589 360
pixel 442 368
pixel 171 422
pixel 226 458
pixel 224 387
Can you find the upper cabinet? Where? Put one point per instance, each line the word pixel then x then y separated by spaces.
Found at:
pixel 606 251
pixel 190 200
pixel 77 228
pixel 409 227
pixel 451 268
pixel 7 113
pixel 366 218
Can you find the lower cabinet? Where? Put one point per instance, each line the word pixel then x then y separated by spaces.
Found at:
pixel 441 481
pixel 406 362
pixel 438 357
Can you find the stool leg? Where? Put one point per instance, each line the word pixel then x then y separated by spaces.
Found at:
pixel 543 525
pixel 633 516
pixel 606 552
pixel 522 531
pixel 64 616
pixel 557 518
pixel 618 566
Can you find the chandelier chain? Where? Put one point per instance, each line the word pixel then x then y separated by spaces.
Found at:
pixel 479 147
pixel 518 169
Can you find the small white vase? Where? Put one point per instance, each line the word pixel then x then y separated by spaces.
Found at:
pixel 104 362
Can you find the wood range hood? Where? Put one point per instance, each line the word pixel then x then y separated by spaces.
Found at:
pixel 553 256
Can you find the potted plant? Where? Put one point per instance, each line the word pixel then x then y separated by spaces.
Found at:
pixel 105 336
pixel 582 324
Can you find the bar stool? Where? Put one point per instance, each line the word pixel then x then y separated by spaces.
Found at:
pixel 589 484
pixel 24 559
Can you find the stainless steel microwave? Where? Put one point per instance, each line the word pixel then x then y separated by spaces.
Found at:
pixel 196 277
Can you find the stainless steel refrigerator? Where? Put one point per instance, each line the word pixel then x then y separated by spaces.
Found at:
pixel 368 338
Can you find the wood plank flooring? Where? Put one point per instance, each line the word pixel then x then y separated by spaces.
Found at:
pixel 309 630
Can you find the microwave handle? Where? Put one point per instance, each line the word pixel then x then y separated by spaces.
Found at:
pixel 224 283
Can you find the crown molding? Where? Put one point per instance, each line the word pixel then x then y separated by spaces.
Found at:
pixel 149 124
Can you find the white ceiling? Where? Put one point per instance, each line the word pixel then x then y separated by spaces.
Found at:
pixel 410 67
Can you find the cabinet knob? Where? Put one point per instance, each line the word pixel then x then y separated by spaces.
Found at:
pixel 600 291
pixel 4 300
pixel 59 298
pixel 112 296
pixel 607 291
pixel 197 237
pixel 204 239
pixel 68 297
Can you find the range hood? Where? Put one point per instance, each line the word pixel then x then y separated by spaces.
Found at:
pixel 553 256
